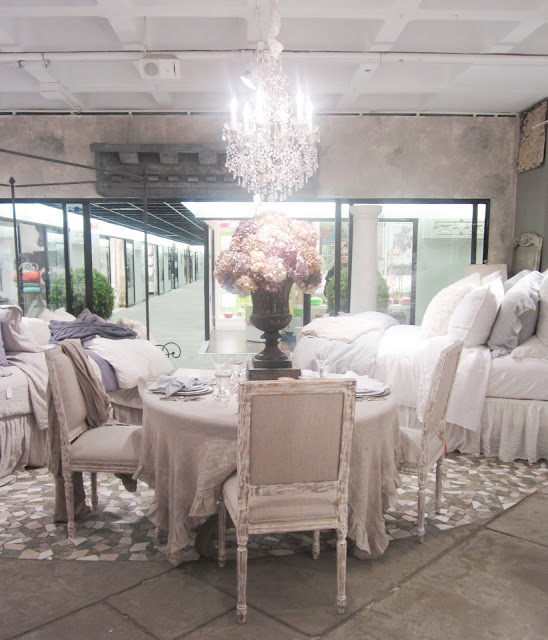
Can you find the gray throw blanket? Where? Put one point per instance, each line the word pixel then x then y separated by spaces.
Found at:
pixel 87 330
pixel 97 405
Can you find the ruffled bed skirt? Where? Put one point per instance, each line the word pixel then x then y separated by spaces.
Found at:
pixel 510 430
pixel 21 444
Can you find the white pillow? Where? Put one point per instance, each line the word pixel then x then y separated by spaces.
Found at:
pixel 39 329
pixel 491 276
pixel 441 308
pixel 475 314
pixel 517 316
pixel 542 322
pixel 59 314
pixel 132 360
pixel 16 335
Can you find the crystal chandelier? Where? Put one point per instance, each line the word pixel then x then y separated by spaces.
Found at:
pixel 273 150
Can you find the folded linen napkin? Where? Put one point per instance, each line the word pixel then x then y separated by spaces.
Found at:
pixel 365 386
pixel 170 385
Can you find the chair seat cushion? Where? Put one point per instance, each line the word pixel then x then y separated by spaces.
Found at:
pixel 411 446
pixel 116 443
pixel 286 508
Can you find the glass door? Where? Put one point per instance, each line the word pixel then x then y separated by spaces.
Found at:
pixel 396 265
pixel 55 258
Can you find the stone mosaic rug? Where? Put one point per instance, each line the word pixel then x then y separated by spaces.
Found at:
pixel 475 490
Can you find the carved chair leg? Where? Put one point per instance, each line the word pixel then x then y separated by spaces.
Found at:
pixel 439 482
pixel 341 572
pixel 316 545
pixel 221 553
pixel 69 500
pixel 94 500
pixel 421 501
pixel 241 607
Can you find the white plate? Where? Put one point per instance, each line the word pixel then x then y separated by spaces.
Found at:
pixel 375 394
pixel 190 392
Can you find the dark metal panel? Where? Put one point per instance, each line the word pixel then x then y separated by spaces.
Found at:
pixel 66 248
pixel 88 260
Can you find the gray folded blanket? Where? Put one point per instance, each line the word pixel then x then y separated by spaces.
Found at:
pixel 87 330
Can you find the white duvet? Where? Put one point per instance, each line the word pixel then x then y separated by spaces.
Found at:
pixel 132 360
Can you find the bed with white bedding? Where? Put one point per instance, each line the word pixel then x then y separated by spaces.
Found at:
pixel 23 384
pixel 499 405
pixel 500 412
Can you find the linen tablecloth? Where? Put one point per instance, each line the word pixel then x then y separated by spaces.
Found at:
pixel 188 449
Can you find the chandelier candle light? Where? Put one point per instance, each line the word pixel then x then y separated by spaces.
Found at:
pixel 273 150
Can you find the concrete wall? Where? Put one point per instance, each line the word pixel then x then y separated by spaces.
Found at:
pixel 532 205
pixel 361 157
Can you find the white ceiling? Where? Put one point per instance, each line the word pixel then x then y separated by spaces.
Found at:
pixel 351 56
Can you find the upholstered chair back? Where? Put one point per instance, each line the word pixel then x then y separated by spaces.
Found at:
pixel 295 432
pixel 440 390
pixel 71 413
pixel 283 426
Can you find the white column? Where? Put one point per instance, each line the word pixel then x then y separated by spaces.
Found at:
pixel 363 295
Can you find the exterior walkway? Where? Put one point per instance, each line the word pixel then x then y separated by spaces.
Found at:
pixel 176 316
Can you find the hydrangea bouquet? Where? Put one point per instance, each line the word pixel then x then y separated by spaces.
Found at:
pixel 267 251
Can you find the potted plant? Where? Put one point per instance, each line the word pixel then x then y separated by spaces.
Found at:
pixel 103 293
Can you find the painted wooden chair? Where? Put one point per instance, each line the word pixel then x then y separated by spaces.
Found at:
pixel 112 449
pixel 422 448
pixel 294 442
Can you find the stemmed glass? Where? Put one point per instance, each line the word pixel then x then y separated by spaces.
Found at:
pixel 222 376
pixel 222 380
pixel 237 373
pixel 220 361
pixel 322 362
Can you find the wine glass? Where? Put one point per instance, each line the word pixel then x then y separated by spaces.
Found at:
pixel 322 363
pixel 222 380
pixel 220 361
pixel 237 373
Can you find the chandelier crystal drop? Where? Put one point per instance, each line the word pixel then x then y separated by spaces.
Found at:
pixel 273 150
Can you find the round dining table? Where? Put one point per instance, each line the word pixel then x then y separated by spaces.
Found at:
pixel 188 450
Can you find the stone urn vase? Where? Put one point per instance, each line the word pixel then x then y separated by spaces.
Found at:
pixel 271 315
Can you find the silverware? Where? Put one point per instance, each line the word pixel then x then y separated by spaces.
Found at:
pixel 178 399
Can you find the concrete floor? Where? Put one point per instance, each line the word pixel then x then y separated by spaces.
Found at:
pixel 472 582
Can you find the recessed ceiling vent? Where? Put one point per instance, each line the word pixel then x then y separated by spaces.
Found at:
pixel 160 68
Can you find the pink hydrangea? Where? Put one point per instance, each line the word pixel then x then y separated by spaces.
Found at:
pixel 268 250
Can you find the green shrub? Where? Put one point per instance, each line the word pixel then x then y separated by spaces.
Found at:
pixel 382 293
pixel 103 293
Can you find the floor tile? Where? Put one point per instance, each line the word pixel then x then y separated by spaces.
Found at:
pixel 257 627
pixel 99 622
pixel 172 604
pixel 33 592
pixel 527 520
pixel 300 592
